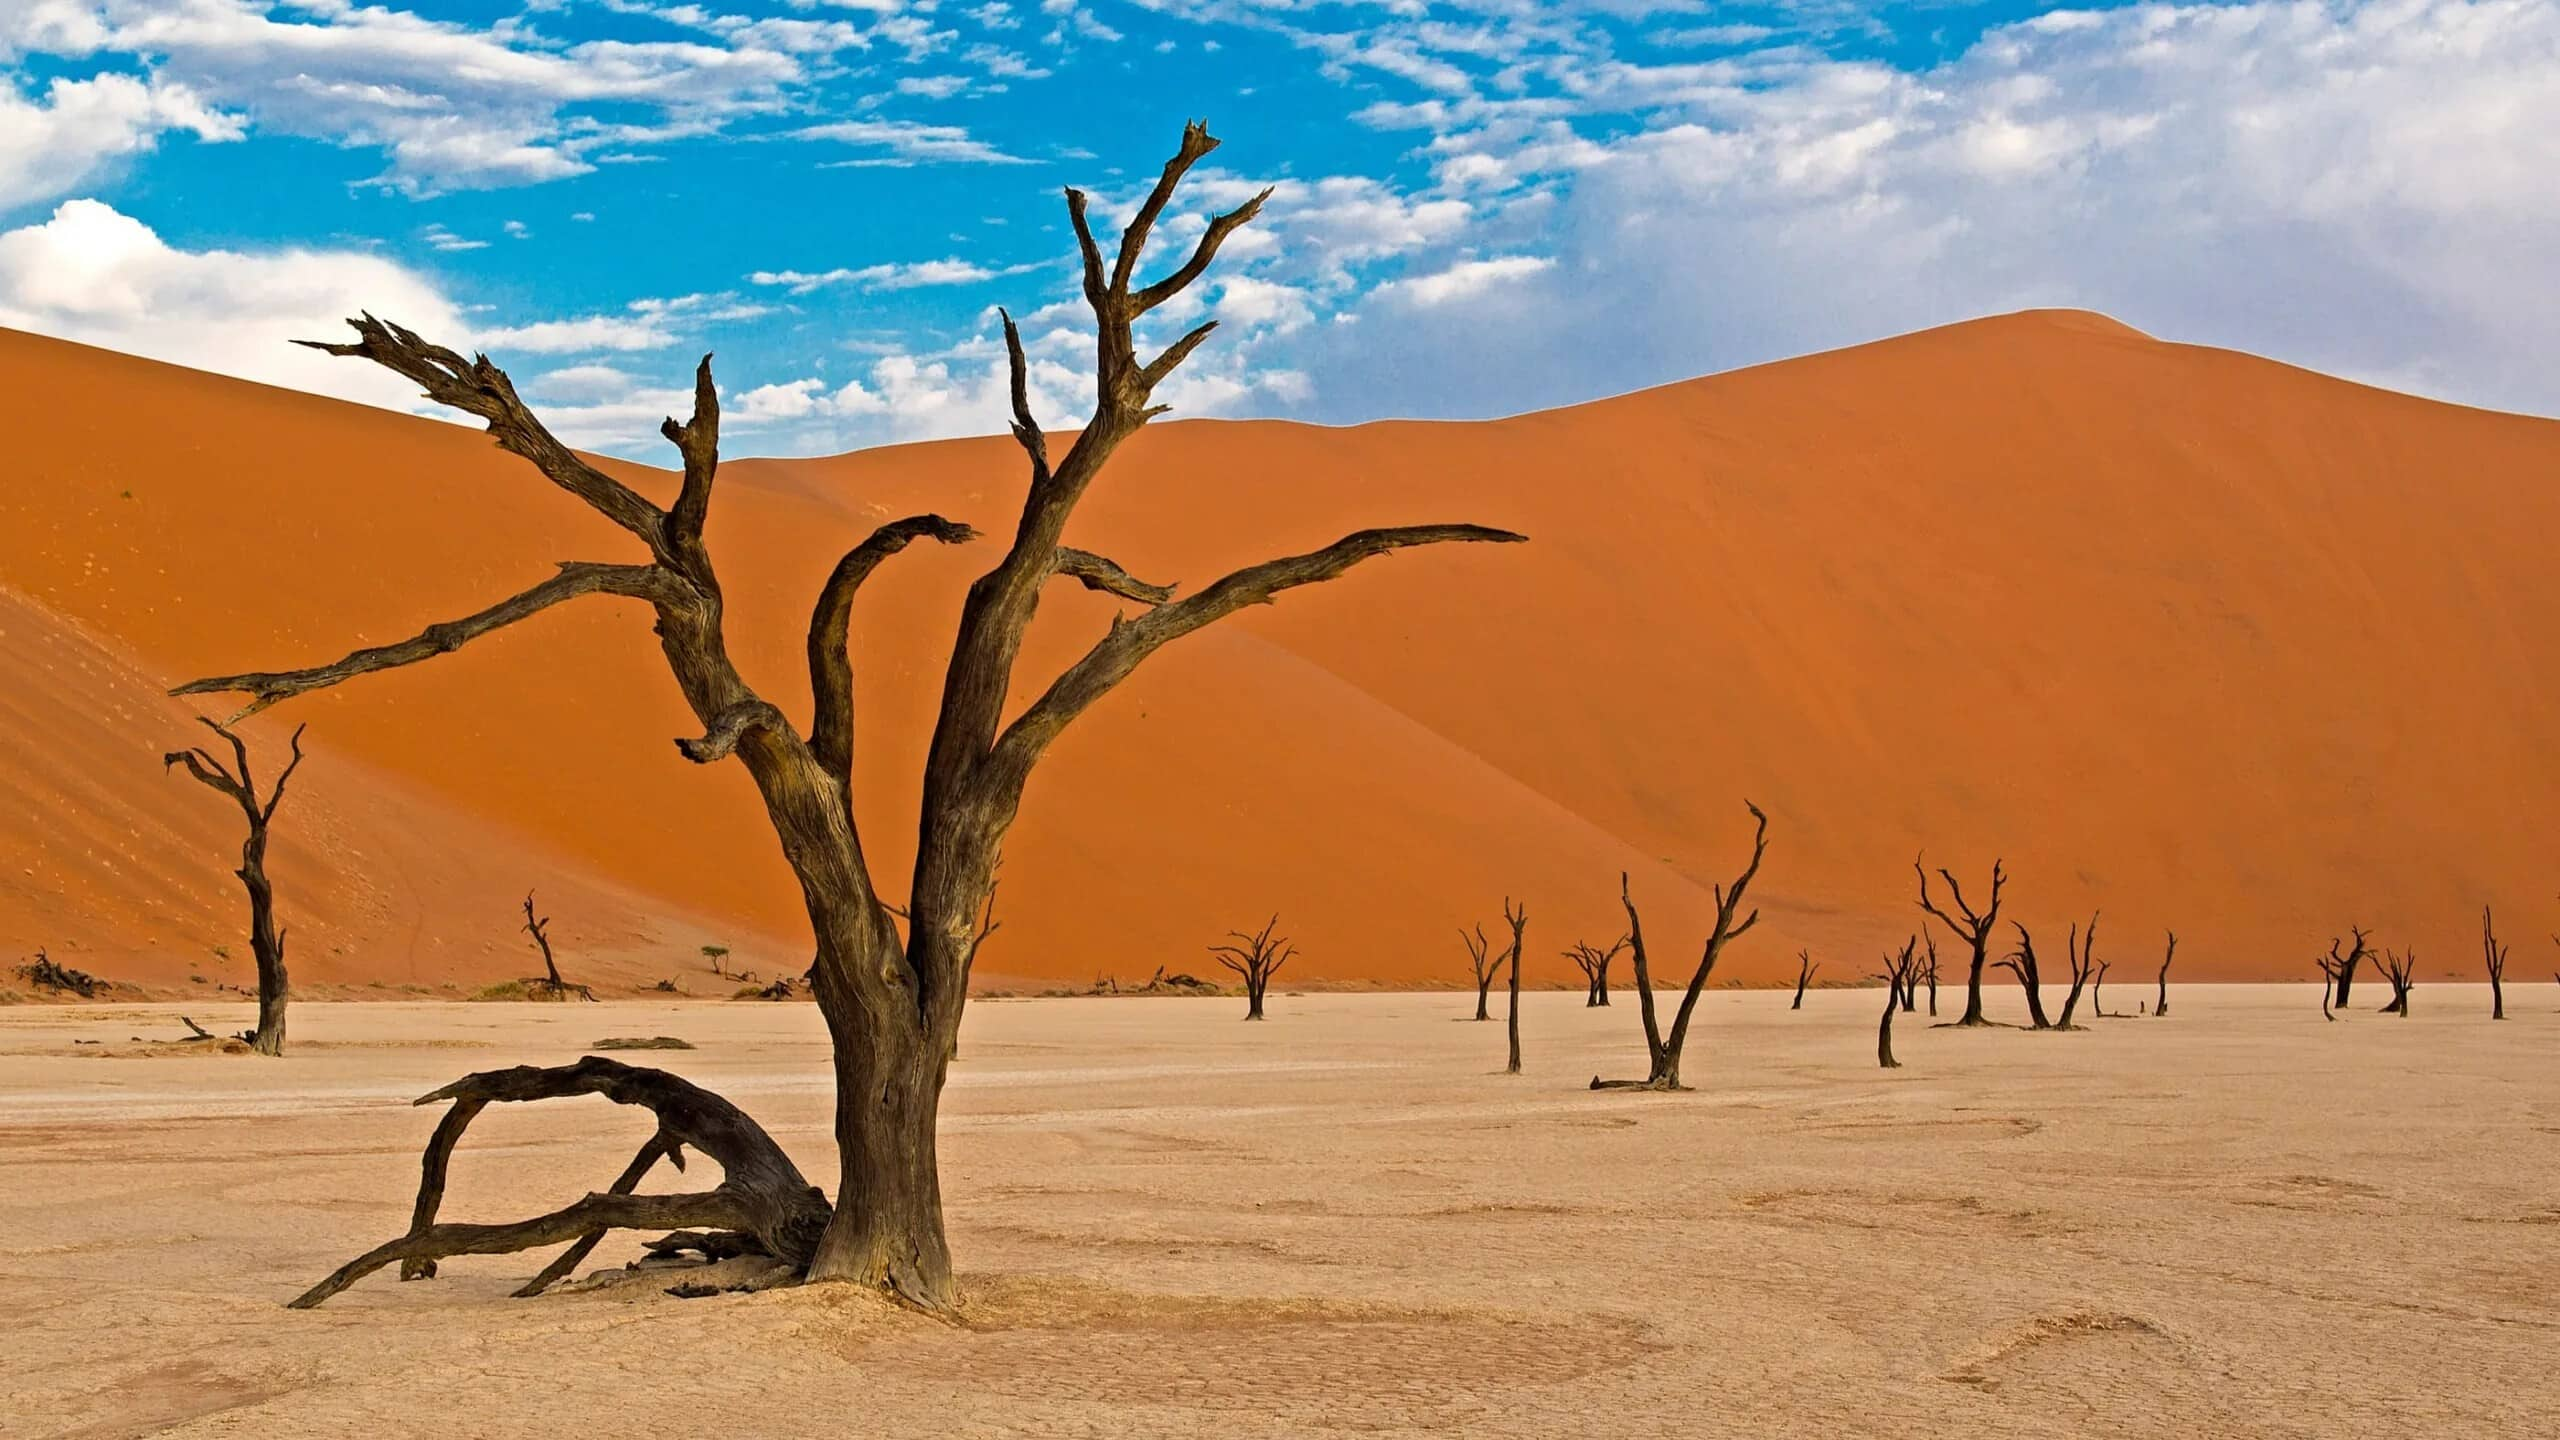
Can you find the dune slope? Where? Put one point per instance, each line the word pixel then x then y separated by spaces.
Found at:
pixel 2200 639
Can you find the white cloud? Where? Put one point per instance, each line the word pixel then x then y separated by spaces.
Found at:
pixel 581 335
pixel 92 274
pixel 912 276
pixel 50 147
pixel 908 143
pixel 1466 280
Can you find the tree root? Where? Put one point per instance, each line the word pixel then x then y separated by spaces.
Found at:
pixel 762 1198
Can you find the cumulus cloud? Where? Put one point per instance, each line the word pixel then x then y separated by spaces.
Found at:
pixel 49 146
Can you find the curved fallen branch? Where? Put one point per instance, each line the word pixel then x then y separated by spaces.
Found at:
pixel 761 1193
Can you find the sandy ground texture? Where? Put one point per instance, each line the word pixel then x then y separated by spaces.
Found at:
pixel 2236 1221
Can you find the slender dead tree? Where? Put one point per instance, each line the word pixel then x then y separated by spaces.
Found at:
pixel 2083 956
pixel 266 941
pixel 1805 967
pixel 2341 967
pixel 2494 956
pixel 2162 1008
pixel 1487 964
pixel 1594 964
pixel 1900 973
pixel 2402 971
pixel 892 1004
pixel 2097 988
pixel 1974 929
pixel 2021 962
pixel 549 981
pixel 1517 917
pixel 1257 957
pixel 2328 967
pixel 1931 972
pixel 1663 1051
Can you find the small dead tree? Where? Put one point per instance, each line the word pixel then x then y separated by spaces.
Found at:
pixel 2341 966
pixel 2402 971
pixel 1593 962
pixel 1517 917
pixel 2083 954
pixel 2162 1007
pixel 1930 972
pixel 1487 965
pixel 2328 967
pixel 1900 973
pixel 2097 988
pixel 1805 966
pixel 547 984
pixel 266 941
pixel 2494 956
pixel 892 1002
pixel 46 973
pixel 1257 957
pixel 1662 1050
pixel 2021 962
pixel 1974 929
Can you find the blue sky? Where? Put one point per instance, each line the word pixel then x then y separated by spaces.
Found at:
pixel 1483 206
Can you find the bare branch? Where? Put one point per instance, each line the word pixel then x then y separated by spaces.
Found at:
pixel 830 670
pixel 1172 358
pixel 1196 142
pixel 732 726
pixel 1026 426
pixel 1095 289
pixel 576 578
pixel 1220 227
pixel 698 440
pixel 481 389
pixel 1098 572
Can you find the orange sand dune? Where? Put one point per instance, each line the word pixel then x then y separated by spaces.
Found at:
pixel 2205 640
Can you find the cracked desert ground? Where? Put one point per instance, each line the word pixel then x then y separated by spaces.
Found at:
pixel 2235 1221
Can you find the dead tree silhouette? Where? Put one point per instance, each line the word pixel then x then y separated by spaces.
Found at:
pixel 2341 968
pixel 1517 917
pixel 1257 957
pixel 2021 962
pixel 1805 966
pixel 1899 974
pixel 549 981
pixel 266 942
pixel 2494 957
pixel 1487 964
pixel 2162 1008
pixel 1662 1051
pixel 1974 929
pixel 2402 971
pixel 2083 954
pixel 892 1004
pixel 1593 962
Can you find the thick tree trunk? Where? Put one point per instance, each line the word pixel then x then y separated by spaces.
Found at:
pixel 1484 988
pixel 1884 1027
pixel 266 943
pixel 1973 984
pixel 1253 1000
pixel 1512 1020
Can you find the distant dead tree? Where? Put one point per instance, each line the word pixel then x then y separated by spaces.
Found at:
pixel 1930 972
pixel 1663 1051
pixel 1256 957
pixel 2328 967
pixel 1974 929
pixel 2083 954
pixel 266 941
pixel 892 1002
pixel 46 973
pixel 1594 964
pixel 2341 967
pixel 2021 962
pixel 1901 972
pixel 549 981
pixel 2402 971
pixel 2162 1008
pixel 2494 956
pixel 1487 964
pixel 2097 989
pixel 1517 917
pixel 1805 967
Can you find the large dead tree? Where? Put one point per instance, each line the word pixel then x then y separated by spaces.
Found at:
pixel 1256 957
pixel 1900 973
pixel 1974 929
pixel 548 984
pixel 1486 961
pixel 2084 953
pixel 2494 956
pixel 1805 966
pixel 892 1004
pixel 2402 971
pixel 2162 1007
pixel 1517 917
pixel 2021 962
pixel 1662 1049
pixel 2341 966
pixel 1594 962
pixel 266 941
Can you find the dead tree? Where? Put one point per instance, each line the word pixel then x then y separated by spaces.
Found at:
pixel 548 983
pixel 762 1205
pixel 1930 972
pixel 2341 968
pixel 1257 957
pixel 2162 1007
pixel 1662 1050
pixel 46 973
pixel 1901 972
pixel 1517 917
pixel 2021 962
pixel 1974 929
pixel 2402 971
pixel 892 1003
pixel 2328 966
pixel 2083 964
pixel 1594 964
pixel 266 941
pixel 1487 964
pixel 1805 966
pixel 2097 988
pixel 2494 956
